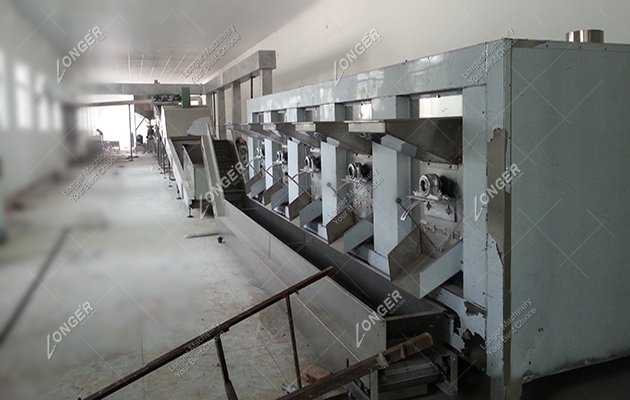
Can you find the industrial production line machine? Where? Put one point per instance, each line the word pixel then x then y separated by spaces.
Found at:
pixel 455 180
pixel 451 195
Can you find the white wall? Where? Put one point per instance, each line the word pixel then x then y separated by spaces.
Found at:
pixel 308 45
pixel 27 155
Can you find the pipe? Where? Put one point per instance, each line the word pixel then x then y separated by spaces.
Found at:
pixel 586 36
pixel 115 103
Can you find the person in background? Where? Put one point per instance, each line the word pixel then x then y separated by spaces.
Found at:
pixel 150 132
pixel 150 147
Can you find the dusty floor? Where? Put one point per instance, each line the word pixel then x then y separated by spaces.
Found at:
pixel 150 289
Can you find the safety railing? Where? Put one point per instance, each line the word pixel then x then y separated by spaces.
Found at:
pixel 215 334
pixel 375 363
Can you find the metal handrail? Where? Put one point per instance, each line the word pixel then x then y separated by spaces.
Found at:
pixel 377 362
pixel 215 334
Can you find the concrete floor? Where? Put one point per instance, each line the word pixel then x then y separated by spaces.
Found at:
pixel 151 289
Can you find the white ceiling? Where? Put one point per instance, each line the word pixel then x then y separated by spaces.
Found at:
pixel 154 39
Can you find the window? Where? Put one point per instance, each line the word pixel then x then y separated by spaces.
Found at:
pixel 4 103
pixel 23 97
pixel 43 106
pixel 80 115
pixel 57 123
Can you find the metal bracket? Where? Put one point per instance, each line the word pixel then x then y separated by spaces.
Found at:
pixel 439 208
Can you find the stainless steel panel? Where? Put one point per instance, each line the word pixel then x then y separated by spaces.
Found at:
pixel 389 230
pixel 404 256
pixel 437 273
pixel 435 73
pixel 212 175
pixel 331 112
pixel 258 187
pixel 358 234
pixel 311 212
pixel 243 70
pixel 569 238
pixel 440 106
pixel 295 115
pixel 338 225
pixel 271 191
pixel 333 189
pixel 296 206
pixel 175 154
pixel 434 139
pixel 213 84
pixel 273 170
pixel 281 196
pixel 322 299
pixel 299 182
pixel 474 184
pixel 254 162
pixel 391 107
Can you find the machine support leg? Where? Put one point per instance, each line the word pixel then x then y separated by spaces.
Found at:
pixel 131 138
pixel 294 344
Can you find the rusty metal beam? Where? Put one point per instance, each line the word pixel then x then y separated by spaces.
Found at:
pixel 374 363
pixel 296 360
pixel 229 388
